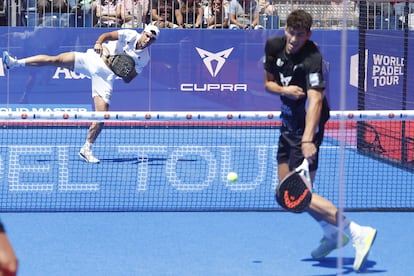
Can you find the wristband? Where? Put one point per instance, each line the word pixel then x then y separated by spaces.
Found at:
pixel 307 142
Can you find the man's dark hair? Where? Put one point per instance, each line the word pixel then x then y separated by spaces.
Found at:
pixel 299 19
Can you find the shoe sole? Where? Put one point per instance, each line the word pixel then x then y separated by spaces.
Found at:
pixel 323 255
pixel 371 242
pixel 5 57
pixel 86 159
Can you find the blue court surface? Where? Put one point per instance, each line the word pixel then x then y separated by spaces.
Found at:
pixel 198 243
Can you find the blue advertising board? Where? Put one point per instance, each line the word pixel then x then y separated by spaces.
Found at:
pixel 205 70
pixel 386 62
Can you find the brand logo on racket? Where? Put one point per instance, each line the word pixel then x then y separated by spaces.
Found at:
pixel 209 57
pixel 291 202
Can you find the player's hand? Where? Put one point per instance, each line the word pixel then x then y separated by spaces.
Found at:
pixel 293 92
pixel 309 151
pixel 98 48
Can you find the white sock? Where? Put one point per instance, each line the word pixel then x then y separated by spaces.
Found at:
pixel 21 62
pixel 351 228
pixel 87 145
pixel 329 231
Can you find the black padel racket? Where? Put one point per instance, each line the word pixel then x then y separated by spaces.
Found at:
pixel 294 192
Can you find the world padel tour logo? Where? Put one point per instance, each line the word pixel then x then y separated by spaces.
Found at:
pixel 381 70
pixel 386 70
pixel 213 62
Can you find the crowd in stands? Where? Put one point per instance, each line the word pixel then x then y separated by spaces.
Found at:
pixel 232 14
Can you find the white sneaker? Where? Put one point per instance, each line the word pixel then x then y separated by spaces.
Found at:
pixel 8 61
pixel 363 243
pixel 87 155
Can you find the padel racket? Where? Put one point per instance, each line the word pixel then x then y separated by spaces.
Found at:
pixel 294 192
pixel 123 66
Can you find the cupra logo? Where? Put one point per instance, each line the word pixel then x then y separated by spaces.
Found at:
pixel 214 62
pixel 209 57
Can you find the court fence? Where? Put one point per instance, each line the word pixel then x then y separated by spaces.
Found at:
pixel 327 14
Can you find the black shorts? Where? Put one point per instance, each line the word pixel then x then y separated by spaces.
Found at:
pixel 290 149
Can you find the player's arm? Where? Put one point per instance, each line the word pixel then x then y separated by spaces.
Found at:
pixel 102 38
pixel 313 114
pixel 293 92
pixel 271 85
pixel 107 37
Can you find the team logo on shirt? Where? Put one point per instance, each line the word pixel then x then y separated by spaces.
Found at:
pixel 285 80
pixel 314 79
pixel 279 62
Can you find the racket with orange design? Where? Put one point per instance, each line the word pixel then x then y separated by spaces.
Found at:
pixel 294 192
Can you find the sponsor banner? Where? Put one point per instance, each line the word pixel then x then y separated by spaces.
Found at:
pixel 45 108
pixel 386 90
pixel 385 72
pixel 206 70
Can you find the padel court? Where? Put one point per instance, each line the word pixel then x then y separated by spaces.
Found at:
pixel 159 202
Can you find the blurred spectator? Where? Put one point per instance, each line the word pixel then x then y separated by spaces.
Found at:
pixel 51 6
pixel 55 6
pixel 267 7
pixel 84 6
pixel 378 12
pixel 134 13
pixel 192 13
pixel 375 9
pixel 107 13
pixel 341 10
pixel 216 15
pixel 244 14
pixel 3 12
pixel 399 8
pixel 166 14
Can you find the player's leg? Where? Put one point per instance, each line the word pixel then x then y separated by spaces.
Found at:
pixel 66 60
pixel 8 259
pixel 325 212
pixel 290 152
pixel 102 78
pixel 282 170
pixel 95 129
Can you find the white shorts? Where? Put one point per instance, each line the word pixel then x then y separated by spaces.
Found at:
pixel 91 65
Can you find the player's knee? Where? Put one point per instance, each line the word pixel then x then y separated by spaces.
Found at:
pixel 97 125
pixel 10 268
